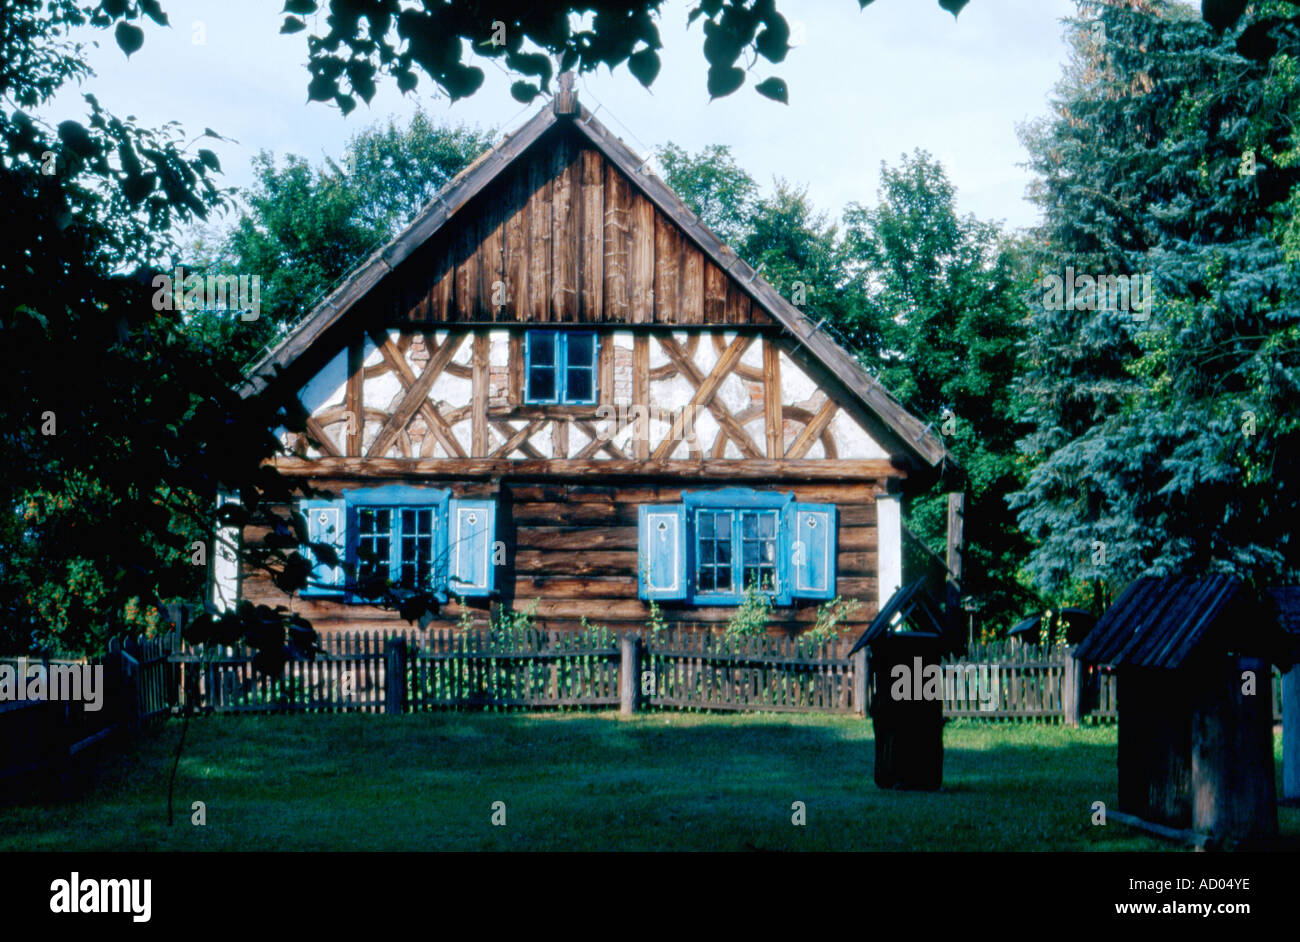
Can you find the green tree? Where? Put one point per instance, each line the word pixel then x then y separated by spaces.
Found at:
pixel 714 186
pixel 1160 435
pixel 303 228
pixel 943 292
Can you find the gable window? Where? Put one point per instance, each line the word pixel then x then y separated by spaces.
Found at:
pixel 717 545
pixel 401 537
pixel 560 367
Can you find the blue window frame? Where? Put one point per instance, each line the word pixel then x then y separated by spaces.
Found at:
pixel 715 545
pixel 560 367
pixel 402 537
pixel 736 544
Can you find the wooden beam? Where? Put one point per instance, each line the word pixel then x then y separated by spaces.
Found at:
pixel 418 392
pixel 560 438
pixel 773 420
pixel 355 406
pixel 813 430
pixel 479 446
pixel 733 469
pixel 730 426
pixel 326 445
pixel 515 393
pixel 597 444
pixel 641 396
pixel 704 393
pixel 956 517
pixel 518 438
pixel 406 376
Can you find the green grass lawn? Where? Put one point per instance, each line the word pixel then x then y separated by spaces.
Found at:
pixel 574 781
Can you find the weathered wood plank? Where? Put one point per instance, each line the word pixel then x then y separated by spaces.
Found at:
pixel 692 285
pixel 641 269
pixel 491 256
pixel 618 245
pixel 517 236
pixel 667 274
pixel 566 247
pixel 592 271
pixel 538 306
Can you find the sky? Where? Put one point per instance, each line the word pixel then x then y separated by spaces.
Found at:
pixel 865 87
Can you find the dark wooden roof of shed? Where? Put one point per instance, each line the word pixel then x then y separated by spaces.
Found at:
pixel 1163 621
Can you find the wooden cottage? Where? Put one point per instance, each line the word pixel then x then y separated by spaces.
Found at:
pixel 557 385
pixel 1194 658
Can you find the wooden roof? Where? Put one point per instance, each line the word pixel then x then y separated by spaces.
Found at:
pixel 1164 621
pixel 435 247
pixel 913 606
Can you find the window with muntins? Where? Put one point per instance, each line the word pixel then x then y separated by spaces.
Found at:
pixel 560 367
pixel 400 537
pixel 715 545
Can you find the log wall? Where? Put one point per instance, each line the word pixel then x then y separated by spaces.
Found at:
pixel 573 549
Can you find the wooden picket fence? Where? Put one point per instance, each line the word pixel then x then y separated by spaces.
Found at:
pixel 1015 681
pixel 446 669
pixel 687 670
pixel 712 672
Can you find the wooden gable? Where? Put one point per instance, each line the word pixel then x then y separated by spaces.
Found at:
pixel 563 236
pixel 562 224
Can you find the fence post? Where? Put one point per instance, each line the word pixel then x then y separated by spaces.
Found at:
pixel 394 675
pixel 1072 688
pixel 629 673
pixel 859 662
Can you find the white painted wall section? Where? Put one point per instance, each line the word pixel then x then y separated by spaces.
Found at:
pixel 889 548
pixel 225 562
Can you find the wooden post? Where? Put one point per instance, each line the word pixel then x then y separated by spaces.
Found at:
pixel 1291 734
pixel 860 682
pixel 1072 689
pixel 956 515
pixel 394 675
pixel 629 676
pixel 566 99
pixel 953 559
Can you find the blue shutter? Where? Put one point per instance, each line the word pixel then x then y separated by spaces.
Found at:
pixel 326 523
pixel 471 531
pixel 661 556
pixel 810 537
